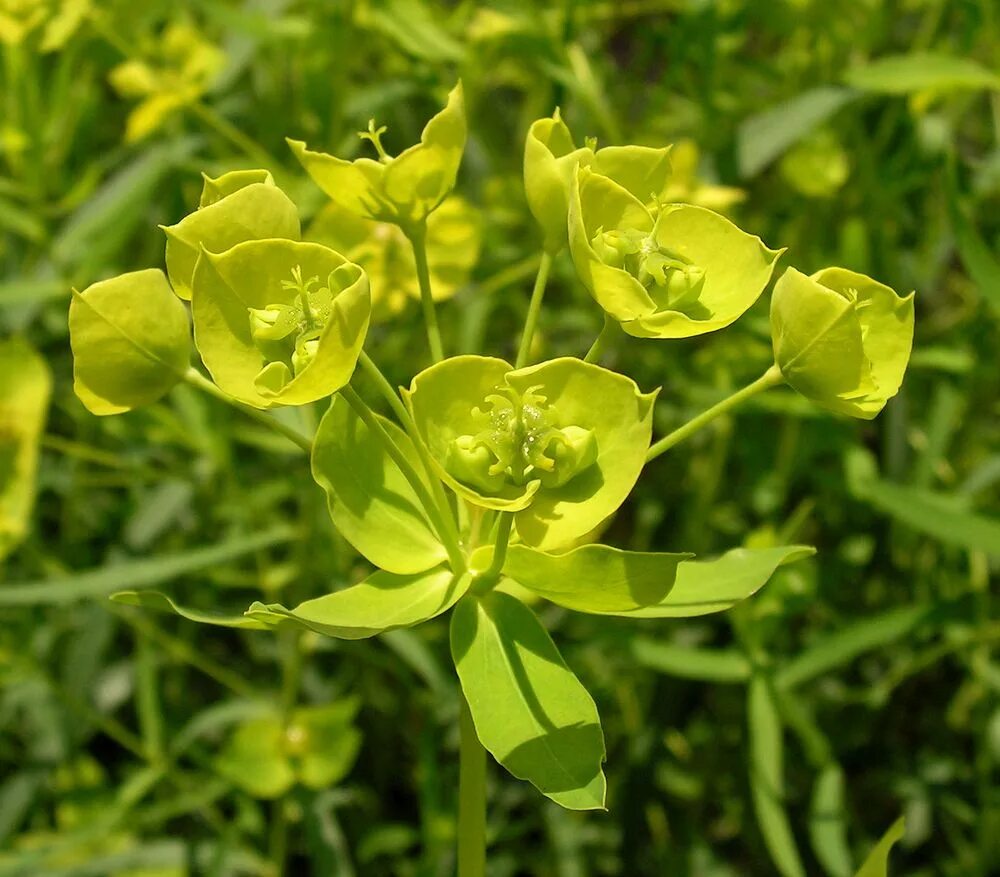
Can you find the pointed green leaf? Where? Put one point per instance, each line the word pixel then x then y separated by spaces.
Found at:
pixel 131 341
pixel 704 586
pixel 595 578
pixel 371 502
pixel 877 863
pixel 381 602
pixel 529 709
pixel 162 603
pixel 25 388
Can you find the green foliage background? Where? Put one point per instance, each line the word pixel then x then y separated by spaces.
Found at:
pixel 783 737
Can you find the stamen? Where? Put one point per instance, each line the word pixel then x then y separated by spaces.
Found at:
pixel 375 136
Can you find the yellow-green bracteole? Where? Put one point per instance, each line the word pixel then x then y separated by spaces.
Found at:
pixel 551 158
pixel 402 189
pixel 560 444
pixel 841 339
pixel 280 322
pixel 666 271
pixel 235 207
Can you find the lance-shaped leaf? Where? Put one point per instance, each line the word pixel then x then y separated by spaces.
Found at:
pixel 160 602
pixel 403 189
pixel 841 339
pixel 705 586
pixel 235 207
pixel 532 441
pixel 595 578
pixel 371 502
pixel 529 709
pixel 383 601
pixel 666 272
pixel 131 341
pixel 280 322
pixel 25 388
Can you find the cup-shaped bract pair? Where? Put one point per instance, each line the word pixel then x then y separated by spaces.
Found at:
pixel 560 444
pixel 841 339
pixel 279 322
pixel 551 159
pixel 235 207
pixel 402 189
pixel 454 235
pixel 669 272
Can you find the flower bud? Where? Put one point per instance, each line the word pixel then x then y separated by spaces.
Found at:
pixel 841 338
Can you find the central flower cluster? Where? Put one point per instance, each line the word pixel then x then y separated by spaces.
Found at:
pixel 289 333
pixel 672 281
pixel 519 441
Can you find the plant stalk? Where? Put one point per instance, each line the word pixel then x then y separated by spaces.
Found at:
pixel 771 378
pixel 471 798
pixel 418 240
pixel 534 309
pixel 600 344
pixel 196 379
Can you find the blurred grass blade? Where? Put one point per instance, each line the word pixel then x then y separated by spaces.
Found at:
pixel 920 71
pixel 847 643
pixel 979 261
pixel 940 515
pixel 877 863
pixel 684 662
pixel 767 777
pixel 828 822
pixel 94 234
pixel 766 136
pixel 138 573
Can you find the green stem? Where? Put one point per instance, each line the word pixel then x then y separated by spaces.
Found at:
pixel 418 240
pixel 608 331
pixel 471 798
pixel 197 379
pixel 437 515
pixel 406 420
pixel 771 378
pixel 534 309
pixel 500 546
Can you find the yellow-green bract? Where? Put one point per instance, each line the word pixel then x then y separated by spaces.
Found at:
pixel 131 341
pixel 535 441
pixel 279 322
pixel 671 272
pixel 841 338
pixel 235 207
pixel 551 158
pixel 403 189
